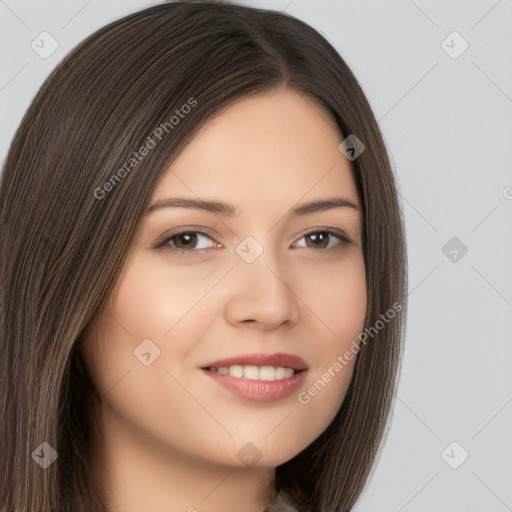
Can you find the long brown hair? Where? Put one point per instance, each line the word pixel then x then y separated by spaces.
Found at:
pixel 68 217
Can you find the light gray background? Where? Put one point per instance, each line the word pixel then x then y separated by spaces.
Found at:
pixel 448 126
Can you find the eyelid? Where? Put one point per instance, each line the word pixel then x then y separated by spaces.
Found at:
pixel 339 234
pixel 167 236
pixel 342 238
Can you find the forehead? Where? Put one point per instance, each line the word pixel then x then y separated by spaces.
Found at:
pixel 275 147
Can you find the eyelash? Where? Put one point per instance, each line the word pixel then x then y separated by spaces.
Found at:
pixel 164 245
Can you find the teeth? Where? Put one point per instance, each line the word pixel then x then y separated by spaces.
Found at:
pixel 236 371
pixel 251 372
pixel 280 373
pixel 256 372
pixel 268 373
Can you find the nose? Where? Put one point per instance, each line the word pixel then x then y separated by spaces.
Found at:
pixel 261 295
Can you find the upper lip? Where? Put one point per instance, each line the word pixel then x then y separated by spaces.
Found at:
pixel 258 359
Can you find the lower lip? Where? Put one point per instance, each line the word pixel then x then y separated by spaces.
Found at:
pixel 260 390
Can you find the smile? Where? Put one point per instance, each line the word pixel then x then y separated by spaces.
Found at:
pixel 259 377
pixel 250 372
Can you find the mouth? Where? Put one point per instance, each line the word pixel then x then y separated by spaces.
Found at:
pixel 259 377
pixel 250 372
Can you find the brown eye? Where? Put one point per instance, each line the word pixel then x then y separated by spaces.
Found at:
pixel 319 239
pixel 324 239
pixel 186 240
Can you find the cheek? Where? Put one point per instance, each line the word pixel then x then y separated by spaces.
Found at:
pixel 137 397
pixel 146 306
pixel 150 303
pixel 339 300
pixel 336 300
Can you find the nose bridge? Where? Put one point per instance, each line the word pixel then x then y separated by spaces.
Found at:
pixel 261 293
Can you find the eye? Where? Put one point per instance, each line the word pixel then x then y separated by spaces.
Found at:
pixel 184 242
pixel 324 239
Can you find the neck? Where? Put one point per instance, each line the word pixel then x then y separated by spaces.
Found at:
pixel 140 474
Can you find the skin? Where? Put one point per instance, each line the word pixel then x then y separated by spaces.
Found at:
pixel 169 433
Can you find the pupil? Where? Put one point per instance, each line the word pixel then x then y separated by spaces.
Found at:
pixel 188 237
pixel 321 236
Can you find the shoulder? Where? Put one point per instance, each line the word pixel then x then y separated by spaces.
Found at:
pixel 281 502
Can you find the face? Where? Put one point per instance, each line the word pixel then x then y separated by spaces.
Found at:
pixel 223 337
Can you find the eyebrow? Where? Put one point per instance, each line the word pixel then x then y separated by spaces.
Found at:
pixel 229 210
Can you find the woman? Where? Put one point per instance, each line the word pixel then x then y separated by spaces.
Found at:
pixel 203 272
